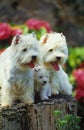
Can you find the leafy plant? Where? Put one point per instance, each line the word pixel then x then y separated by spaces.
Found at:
pixel 75 61
pixel 76 57
pixel 66 122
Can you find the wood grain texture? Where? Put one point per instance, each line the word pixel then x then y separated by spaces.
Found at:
pixel 38 116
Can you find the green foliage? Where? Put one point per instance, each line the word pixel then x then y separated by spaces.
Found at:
pixel 39 32
pixel 76 56
pixel 24 28
pixel 66 122
pixel 4 44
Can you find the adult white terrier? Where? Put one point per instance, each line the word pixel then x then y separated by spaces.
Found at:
pixel 54 54
pixel 41 82
pixel 16 73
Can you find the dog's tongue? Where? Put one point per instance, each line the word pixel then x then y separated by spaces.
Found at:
pixel 55 66
pixel 31 65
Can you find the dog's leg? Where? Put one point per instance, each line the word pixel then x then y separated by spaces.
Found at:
pixel 7 96
pixel 44 92
pixel 65 85
pixel 49 90
pixel 28 96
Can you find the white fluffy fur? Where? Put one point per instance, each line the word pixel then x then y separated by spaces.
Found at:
pixel 42 85
pixel 55 53
pixel 16 74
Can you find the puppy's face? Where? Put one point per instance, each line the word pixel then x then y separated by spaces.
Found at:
pixel 54 50
pixel 41 75
pixel 25 50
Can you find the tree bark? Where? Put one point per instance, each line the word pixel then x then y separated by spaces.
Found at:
pixel 38 116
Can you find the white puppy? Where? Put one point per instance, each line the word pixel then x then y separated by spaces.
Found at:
pixel 16 73
pixel 54 53
pixel 41 82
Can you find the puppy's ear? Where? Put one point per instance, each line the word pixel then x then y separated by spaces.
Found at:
pixel 33 34
pixel 16 39
pixel 36 69
pixel 45 39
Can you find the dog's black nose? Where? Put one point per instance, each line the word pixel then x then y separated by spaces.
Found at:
pixel 33 57
pixel 44 82
pixel 58 58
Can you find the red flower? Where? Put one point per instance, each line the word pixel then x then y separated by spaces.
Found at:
pixel 46 25
pixel 5 31
pixel 81 65
pixel 32 23
pixel 79 93
pixel 79 77
pixel 38 24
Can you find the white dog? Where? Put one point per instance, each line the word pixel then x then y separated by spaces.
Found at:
pixel 16 73
pixel 42 85
pixel 54 54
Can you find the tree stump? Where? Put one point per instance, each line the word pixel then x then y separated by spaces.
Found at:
pixel 38 116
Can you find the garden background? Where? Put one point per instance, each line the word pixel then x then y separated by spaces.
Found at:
pixel 25 16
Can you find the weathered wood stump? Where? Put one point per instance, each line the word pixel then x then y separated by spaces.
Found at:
pixel 38 116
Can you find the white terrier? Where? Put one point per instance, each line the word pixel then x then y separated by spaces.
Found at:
pixel 42 85
pixel 16 75
pixel 54 53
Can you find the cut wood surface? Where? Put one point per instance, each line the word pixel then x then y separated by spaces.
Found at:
pixel 38 116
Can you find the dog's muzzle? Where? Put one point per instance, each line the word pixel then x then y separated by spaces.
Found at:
pixel 34 58
pixel 44 82
pixel 58 58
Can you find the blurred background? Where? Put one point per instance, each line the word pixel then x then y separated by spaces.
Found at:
pixel 66 16
pixel 41 16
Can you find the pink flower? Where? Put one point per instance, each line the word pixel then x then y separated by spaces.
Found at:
pixel 32 23
pixel 5 31
pixel 79 77
pixel 46 25
pixel 38 24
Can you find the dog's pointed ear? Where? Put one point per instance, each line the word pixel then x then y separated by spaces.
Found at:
pixel 36 69
pixel 34 34
pixel 61 34
pixel 45 39
pixel 16 39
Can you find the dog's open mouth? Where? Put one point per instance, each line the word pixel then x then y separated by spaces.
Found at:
pixel 55 65
pixel 31 64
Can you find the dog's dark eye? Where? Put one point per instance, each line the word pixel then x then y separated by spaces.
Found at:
pixel 24 50
pixel 40 77
pixel 50 50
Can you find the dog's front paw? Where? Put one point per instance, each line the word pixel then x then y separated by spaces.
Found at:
pixel 55 92
pixel 49 94
pixel 29 102
pixel 44 98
